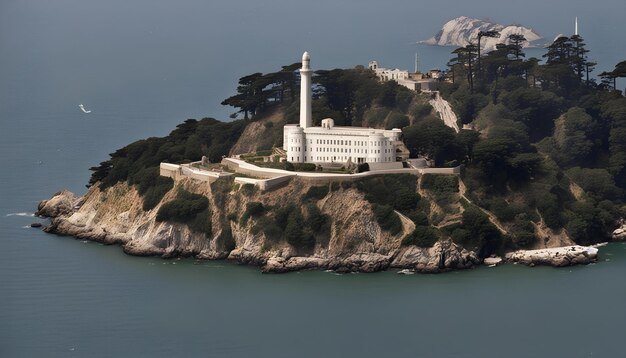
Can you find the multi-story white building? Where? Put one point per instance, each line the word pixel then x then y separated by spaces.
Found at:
pixel 328 143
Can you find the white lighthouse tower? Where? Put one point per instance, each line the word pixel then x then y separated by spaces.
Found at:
pixel 305 92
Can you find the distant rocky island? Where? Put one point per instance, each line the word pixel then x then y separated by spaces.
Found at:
pixel 464 30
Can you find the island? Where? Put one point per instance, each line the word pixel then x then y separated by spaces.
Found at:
pixel 498 159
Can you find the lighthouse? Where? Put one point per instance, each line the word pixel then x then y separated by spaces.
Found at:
pixel 330 144
pixel 305 92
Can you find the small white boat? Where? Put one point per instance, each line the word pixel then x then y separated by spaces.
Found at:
pixel 82 108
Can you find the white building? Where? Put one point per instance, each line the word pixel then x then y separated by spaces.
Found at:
pixel 328 143
pixel 413 81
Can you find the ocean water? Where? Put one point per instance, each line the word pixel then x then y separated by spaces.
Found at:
pixel 144 66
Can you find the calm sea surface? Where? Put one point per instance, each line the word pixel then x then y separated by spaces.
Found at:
pixel 144 66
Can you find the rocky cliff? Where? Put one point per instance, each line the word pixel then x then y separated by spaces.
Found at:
pixel 351 241
pixel 464 30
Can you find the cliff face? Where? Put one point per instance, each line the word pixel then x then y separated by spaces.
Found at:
pixel 351 241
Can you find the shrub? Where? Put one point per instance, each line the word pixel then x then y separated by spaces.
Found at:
pixel 202 223
pixel 397 120
pixel 304 167
pixel 387 189
pixel 346 184
pixel 363 167
pixel 316 192
pixel 253 208
pixel 440 184
pixel 268 227
pixel 503 210
pixel 479 233
pixel 387 218
pixel 421 110
pixel 281 215
pixel 248 189
pixel 315 218
pixel 295 234
pixel 151 186
pixel 422 236
pixel 418 217
pixel 155 194
pixel 184 208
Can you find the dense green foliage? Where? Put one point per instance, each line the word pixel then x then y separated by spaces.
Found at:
pixel 433 139
pixel 392 192
pixel 151 186
pixel 253 208
pixel 477 233
pixel 348 94
pixel 316 192
pixel 387 218
pixel 258 91
pixel 296 233
pixel 189 208
pixel 188 142
pixel 546 129
pixel 440 183
pixel 363 167
pixel 422 236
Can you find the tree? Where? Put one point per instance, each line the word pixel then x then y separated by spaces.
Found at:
pixel 431 138
pixel 465 58
pixel 516 43
pixel 481 34
pixel 535 108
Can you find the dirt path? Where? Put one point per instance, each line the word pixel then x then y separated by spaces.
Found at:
pixel 492 217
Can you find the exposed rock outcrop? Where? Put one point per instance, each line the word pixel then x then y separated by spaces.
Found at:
pixel 558 256
pixel 443 256
pixel 352 242
pixel 619 233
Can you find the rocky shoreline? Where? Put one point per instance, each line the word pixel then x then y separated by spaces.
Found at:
pixel 111 218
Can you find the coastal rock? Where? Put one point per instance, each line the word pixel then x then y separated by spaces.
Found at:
pixel 559 256
pixel 280 264
pixel 492 261
pixel 62 203
pixel 354 241
pixel 619 233
pixel 443 256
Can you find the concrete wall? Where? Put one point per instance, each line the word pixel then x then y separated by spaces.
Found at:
pixel 176 172
pixel 268 173
pixel 449 171
pixel 170 170
pixel 384 166
pixel 265 184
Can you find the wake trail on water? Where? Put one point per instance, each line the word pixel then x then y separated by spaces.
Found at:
pixel 22 214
